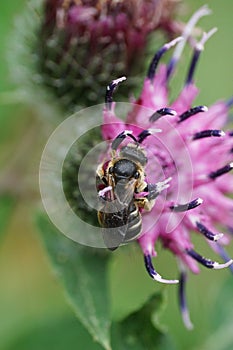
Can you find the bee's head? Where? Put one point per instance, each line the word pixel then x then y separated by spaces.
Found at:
pixel 124 170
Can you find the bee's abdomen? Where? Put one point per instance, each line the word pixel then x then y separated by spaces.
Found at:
pixel 134 223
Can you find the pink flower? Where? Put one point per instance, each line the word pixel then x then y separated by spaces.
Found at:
pixel 190 158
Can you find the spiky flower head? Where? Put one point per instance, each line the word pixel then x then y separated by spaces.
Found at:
pixel 73 48
pixel 190 160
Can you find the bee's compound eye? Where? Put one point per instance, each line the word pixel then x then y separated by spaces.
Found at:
pixel 110 170
pixel 136 175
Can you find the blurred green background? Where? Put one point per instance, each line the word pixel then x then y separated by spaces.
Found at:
pixel 33 311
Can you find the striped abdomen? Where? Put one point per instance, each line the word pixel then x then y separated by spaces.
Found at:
pixel 134 223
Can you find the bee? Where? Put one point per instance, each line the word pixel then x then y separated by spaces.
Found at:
pixel 121 182
pixel 124 192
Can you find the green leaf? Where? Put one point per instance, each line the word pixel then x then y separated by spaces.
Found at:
pixel 221 320
pixel 61 334
pixel 222 312
pixel 140 330
pixel 6 208
pixel 83 272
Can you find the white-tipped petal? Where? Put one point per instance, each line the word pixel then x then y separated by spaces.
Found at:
pixel 218 266
pixel 204 109
pixel 203 11
pixel 218 236
pixel 205 37
pixel 186 319
pixel 154 131
pixel 119 80
pixel 160 279
pixel 173 42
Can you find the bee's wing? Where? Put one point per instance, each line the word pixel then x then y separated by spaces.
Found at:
pixel 113 218
pixel 114 237
pixel 114 215
pixel 125 192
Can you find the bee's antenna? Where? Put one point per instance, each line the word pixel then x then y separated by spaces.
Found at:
pixel 110 90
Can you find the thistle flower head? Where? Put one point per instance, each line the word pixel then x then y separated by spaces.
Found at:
pixel 83 44
pixel 190 161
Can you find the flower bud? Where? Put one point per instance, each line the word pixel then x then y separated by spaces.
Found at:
pixel 74 48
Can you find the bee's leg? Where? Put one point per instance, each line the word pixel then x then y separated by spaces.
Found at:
pixel 155 189
pixel 145 203
pixel 100 178
pixel 102 188
pixel 100 181
pixel 102 192
pixel 99 172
